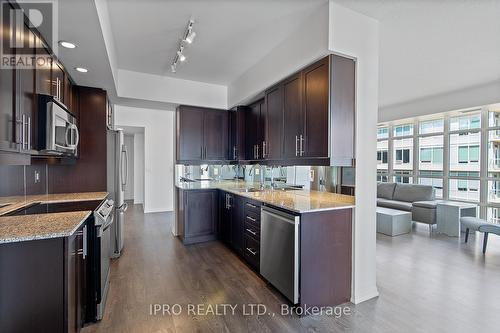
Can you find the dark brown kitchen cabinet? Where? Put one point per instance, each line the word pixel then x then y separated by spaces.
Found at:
pixel 293 113
pixel 7 100
pixel 197 215
pixel 272 145
pixel 255 130
pixel 313 139
pixel 230 228
pixel 26 106
pixel 215 134
pixel 58 81
pixel 43 280
pixel 202 134
pixel 43 69
pixel 237 133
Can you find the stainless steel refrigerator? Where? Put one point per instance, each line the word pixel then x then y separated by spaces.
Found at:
pixel 117 172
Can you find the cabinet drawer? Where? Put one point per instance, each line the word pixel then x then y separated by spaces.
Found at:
pixel 252 219
pixel 252 207
pixel 251 230
pixel 252 251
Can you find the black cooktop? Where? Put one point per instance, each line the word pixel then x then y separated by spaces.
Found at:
pixel 59 207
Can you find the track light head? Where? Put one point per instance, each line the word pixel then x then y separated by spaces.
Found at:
pixel 190 37
pixel 181 56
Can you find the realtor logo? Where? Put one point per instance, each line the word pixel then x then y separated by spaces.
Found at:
pixel 20 44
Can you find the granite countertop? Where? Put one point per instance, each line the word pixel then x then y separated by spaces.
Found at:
pixel 42 226
pixel 15 202
pixel 299 201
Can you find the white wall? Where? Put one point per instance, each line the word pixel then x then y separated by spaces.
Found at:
pixel 356 35
pixel 306 44
pixel 170 90
pixel 139 168
pixel 158 153
pixel 129 189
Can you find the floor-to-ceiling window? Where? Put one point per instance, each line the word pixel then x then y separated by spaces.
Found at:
pixel 456 152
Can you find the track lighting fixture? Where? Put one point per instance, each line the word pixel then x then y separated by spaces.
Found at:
pixel 187 39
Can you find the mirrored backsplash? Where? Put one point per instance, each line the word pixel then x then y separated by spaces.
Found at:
pixel 318 178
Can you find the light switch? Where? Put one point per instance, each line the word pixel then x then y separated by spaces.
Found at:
pixel 216 171
pixel 257 171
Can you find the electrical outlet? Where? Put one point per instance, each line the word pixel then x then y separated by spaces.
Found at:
pixel 37 176
pixel 311 175
pixel 257 171
pixel 216 171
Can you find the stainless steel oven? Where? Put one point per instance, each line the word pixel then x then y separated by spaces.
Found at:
pixel 57 128
pixel 104 218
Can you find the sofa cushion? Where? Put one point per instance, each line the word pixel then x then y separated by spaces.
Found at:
pixel 423 214
pixel 411 192
pixel 426 204
pixel 401 205
pixel 385 190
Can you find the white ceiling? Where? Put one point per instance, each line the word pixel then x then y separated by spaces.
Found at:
pixel 232 35
pixel 428 48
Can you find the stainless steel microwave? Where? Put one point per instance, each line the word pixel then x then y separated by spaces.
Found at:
pixel 57 128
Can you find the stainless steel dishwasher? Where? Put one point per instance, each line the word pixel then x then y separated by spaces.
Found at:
pixel 279 251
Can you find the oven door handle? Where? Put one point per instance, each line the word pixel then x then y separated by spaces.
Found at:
pixel 105 226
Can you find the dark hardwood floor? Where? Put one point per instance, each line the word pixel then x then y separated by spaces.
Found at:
pixel 426 284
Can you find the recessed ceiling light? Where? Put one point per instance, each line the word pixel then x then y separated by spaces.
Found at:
pixel 81 69
pixel 67 45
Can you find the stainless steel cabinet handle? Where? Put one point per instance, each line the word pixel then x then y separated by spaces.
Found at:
pixel 251 219
pixel 257 147
pixel 234 152
pixel 251 251
pixel 264 148
pixel 250 205
pixel 29 134
pixel 301 145
pixel 201 152
pixel 251 231
pixel 23 133
pixel 296 145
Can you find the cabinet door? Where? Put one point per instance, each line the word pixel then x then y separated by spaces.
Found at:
pixel 57 81
pixel 272 147
pixel 201 213
pixel 26 95
pixel 237 133
pixel 43 70
pixel 252 130
pixel 215 138
pixel 71 283
pixel 224 229
pixel 237 222
pixel 342 112
pixel 189 133
pixel 316 89
pixel 7 100
pixel 294 126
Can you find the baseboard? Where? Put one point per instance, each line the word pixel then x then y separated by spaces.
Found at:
pixel 356 299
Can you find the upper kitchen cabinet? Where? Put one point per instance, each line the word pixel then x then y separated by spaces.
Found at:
pixel 215 134
pixel 43 70
pixel 7 100
pixel 342 111
pixel 237 133
pixel 272 145
pixel 58 81
pixel 293 113
pixel 255 116
pixel 202 134
pixel 313 140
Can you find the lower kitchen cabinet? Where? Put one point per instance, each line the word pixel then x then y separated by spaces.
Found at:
pixel 197 215
pixel 230 228
pixel 42 283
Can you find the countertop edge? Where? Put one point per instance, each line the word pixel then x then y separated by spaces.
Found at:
pixel 347 206
pixel 46 236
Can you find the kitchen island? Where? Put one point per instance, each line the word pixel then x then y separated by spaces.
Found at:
pixel 315 259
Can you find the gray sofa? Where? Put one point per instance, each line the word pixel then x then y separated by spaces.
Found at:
pixel 417 199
